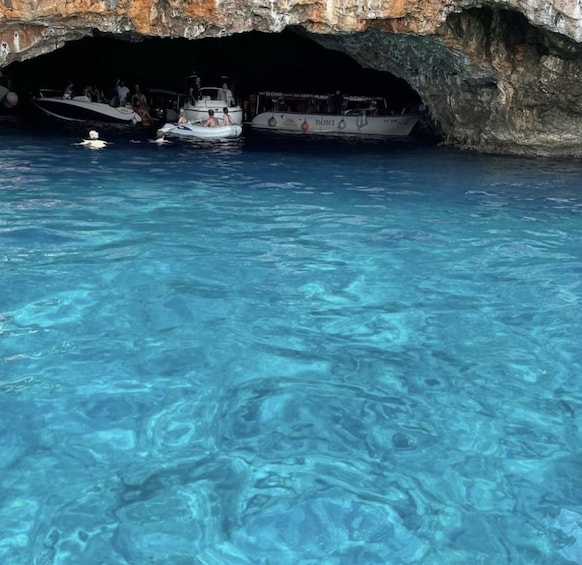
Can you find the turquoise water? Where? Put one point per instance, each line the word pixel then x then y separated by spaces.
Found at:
pixel 285 351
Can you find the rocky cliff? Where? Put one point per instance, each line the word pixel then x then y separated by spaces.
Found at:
pixel 502 77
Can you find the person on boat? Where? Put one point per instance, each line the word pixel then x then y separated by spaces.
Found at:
pixel 146 119
pixel 191 96
pixel 194 91
pixel 122 93
pixel 193 87
pixel 182 119
pixel 93 142
pixel 68 94
pixel 227 93
pixel 336 103
pixel 211 122
pixel 93 93
pixel 139 101
pixel 139 96
pixel 226 119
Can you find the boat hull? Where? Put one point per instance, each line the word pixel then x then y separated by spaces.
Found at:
pixel 336 124
pixel 81 109
pixel 197 131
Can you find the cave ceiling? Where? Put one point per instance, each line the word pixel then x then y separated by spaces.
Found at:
pixel 253 61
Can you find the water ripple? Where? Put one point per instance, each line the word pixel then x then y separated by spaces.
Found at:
pixel 289 352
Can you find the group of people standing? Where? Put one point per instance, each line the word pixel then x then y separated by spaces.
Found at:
pixel 194 91
pixel 121 96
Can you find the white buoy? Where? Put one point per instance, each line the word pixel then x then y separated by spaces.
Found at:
pixel 8 98
pixel 11 100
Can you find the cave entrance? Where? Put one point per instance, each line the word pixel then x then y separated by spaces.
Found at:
pixel 253 61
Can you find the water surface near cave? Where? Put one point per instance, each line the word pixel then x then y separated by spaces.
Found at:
pixel 286 350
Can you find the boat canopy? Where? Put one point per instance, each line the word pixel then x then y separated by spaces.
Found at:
pixel 306 96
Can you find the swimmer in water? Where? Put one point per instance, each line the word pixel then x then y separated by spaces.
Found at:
pixel 161 138
pixel 93 142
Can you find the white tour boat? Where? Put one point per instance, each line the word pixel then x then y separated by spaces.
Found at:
pixel 321 114
pixel 198 131
pixel 212 98
pixel 83 109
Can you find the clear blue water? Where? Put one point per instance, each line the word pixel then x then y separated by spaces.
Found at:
pixel 287 351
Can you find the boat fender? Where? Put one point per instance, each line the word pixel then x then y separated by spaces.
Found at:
pixel 272 122
pixel 342 124
pixel 305 126
pixel 11 100
pixel 362 120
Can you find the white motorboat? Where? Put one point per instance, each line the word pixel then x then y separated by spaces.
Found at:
pixel 212 98
pixel 198 131
pixel 316 114
pixel 83 109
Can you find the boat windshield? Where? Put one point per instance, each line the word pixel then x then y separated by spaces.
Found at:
pixel 212 93
pixel 50 93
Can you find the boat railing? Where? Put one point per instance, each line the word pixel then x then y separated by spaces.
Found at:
pixel 361 112
pixel 307 96
pixel 312 103
pixel 54 93
pixel 50 93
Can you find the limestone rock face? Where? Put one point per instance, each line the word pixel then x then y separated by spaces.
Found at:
pixel 501 77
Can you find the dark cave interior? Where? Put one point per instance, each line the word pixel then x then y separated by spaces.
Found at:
pixel 253 61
